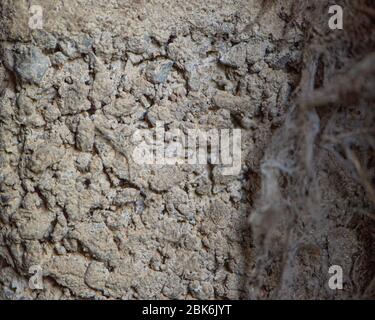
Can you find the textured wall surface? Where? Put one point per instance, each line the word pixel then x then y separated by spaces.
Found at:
pixel 99 224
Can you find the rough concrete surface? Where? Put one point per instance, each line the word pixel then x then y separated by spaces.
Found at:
pixel 102 226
